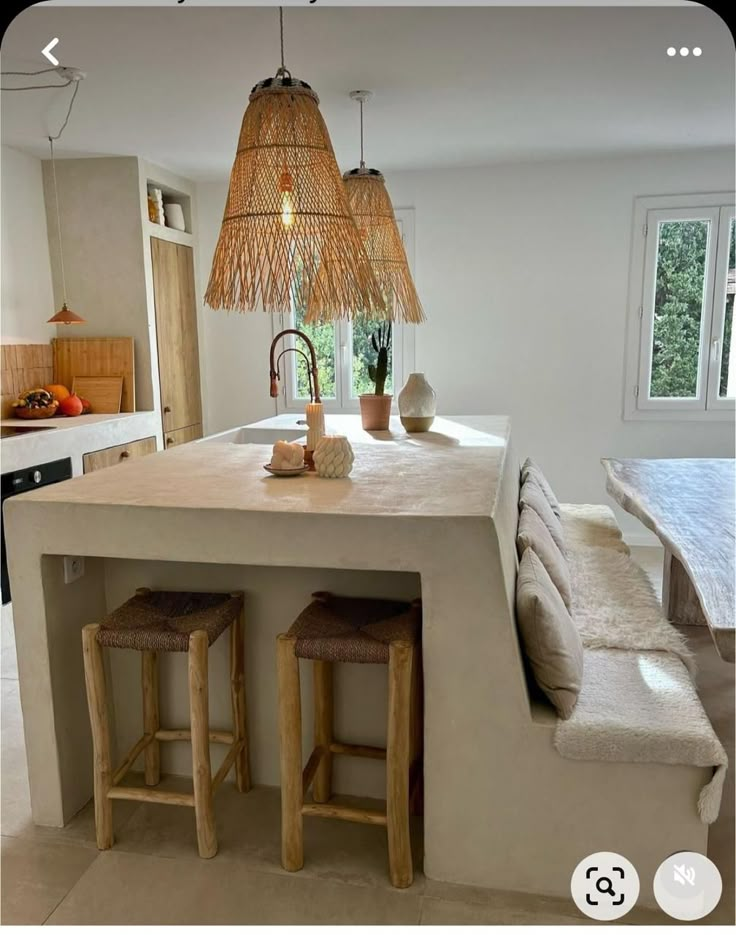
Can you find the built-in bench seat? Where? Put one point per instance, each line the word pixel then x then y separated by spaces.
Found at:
pixel 638 715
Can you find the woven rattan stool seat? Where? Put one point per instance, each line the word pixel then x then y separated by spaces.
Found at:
pixel 353 629
pixel 162 621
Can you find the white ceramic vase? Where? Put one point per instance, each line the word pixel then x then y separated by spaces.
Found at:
pixel 333 456
pixel 174 216
pixel 417 404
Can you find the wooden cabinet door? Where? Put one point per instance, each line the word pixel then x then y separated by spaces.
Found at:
pixel 182 436
pixel 118 454
pixel 176 332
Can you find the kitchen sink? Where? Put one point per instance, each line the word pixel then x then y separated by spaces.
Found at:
pixel 246 435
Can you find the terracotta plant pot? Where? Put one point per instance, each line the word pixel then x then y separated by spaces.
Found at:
pixel 375 411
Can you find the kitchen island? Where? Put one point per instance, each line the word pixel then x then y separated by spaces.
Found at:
pixel 431 515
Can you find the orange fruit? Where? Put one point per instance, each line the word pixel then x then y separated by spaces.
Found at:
pixel 57 391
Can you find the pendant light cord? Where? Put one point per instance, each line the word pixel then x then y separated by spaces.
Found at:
pixel 58 218
pixel 282 71
pixel 281 30
pixel 362 160
pixel 68 113
pixel 56 188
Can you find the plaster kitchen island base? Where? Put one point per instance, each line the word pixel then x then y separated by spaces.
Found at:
pixel 433 515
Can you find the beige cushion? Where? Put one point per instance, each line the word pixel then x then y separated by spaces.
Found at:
pixel 532 495
pixel 533 534
pixel 531 469
pixel 551 642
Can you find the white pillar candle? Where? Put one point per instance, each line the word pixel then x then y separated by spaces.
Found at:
pixel 315 424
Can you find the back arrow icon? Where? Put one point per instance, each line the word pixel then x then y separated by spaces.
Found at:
pixel 47 52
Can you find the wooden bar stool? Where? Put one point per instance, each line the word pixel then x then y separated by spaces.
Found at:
pixel 342 629
pixel 168 621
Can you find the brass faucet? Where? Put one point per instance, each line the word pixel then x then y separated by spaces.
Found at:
pixel 311 361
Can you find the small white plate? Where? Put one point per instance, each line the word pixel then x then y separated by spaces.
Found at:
pixel 286 472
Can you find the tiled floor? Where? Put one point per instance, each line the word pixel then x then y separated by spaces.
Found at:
pixel 153 874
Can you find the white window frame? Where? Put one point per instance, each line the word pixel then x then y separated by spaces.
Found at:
pixel 403 350
pixel 718 208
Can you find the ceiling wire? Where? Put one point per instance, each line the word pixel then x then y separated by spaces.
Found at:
pixel 34 87
pixel 51 139
pixel 68 113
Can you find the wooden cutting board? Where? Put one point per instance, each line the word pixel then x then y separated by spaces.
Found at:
pixel 103 393
pixel 104 357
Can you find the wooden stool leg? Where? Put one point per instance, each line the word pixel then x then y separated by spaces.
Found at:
pixel 323 727
pixel 237 695
pixel 151 720
pixel 417 734
pixel 94 677
pixel 398 762
pixel 290 730
pixel 201 767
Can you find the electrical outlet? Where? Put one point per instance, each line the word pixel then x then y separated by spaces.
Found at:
pixel 73 568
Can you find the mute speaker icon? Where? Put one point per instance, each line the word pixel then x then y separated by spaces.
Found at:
pixel 683 875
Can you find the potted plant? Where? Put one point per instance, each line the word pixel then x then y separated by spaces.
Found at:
pixel 375 408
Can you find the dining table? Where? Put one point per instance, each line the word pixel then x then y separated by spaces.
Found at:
pixel 689 504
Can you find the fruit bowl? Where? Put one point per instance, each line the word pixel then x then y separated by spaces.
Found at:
pixel 40 412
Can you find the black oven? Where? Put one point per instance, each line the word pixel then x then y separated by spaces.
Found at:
pixel 15 482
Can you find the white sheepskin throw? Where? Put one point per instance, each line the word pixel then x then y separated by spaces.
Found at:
pixel 643 708
pixel 614 605
pixel 587 524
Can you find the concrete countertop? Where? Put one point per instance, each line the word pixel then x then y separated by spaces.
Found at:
pixel 452 470
pixel 74 437
pixel 75 422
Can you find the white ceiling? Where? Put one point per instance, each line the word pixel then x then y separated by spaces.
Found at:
pixel 453 87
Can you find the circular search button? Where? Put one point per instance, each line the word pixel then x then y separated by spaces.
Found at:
pixel 605 886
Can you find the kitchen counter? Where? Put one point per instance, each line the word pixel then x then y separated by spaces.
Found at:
pixel 417 516
pixel 456 475
pixel 74 437
pixel 431 516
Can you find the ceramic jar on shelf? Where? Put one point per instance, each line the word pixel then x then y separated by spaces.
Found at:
pixel 417 404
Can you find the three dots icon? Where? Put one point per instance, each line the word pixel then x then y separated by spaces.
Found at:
pixel 684 51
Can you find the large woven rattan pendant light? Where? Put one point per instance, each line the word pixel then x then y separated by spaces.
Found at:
pixel 374 214
pixel 288 237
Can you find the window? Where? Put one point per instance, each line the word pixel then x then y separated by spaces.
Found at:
pixel 343 354
pixel 683 280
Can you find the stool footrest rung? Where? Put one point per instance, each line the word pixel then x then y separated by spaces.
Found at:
pixel 345 813
pixel 215 736
pixel 161 796
pixel 357 749
pixel 310 770
pixel 133 754
pixel 228 763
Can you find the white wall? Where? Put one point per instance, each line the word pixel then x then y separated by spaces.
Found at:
pixel 235 347
pixel 523 272
pixel 27 299
pixel 102 233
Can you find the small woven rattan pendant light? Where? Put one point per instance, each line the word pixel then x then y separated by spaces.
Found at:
pixel 374 214
pixel 288 237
